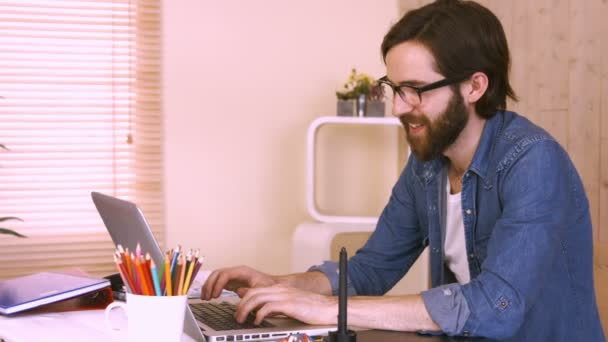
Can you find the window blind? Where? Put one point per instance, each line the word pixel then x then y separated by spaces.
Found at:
pixel 80 112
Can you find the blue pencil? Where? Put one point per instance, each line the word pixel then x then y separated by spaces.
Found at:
pixel 174 261
pixel 155 278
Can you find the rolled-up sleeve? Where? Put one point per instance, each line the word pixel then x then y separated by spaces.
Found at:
pixel 331 271
pixel 448 307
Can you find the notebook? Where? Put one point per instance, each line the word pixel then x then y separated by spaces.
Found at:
pixel 38 289
pixel 127 226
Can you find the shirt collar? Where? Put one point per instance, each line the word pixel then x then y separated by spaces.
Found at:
pixel 487 142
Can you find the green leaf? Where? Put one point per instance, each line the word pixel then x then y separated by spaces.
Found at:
pixel 11 232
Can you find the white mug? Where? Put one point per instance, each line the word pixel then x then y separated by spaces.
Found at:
pixel 152 318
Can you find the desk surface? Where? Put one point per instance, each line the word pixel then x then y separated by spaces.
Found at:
pixel 90 326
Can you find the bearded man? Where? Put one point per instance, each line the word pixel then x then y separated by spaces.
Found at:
pixel 495 198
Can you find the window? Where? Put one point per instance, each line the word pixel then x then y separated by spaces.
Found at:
pixel 80 112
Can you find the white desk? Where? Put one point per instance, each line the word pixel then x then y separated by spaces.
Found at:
pixel 88 325
pixel 65 326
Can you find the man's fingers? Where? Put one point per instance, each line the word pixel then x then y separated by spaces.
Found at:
pixel 254 299
pixel 232 278
pixel 220 282
pixel 209 284
pixel 216 281
pixel 269 309
pixel 242 291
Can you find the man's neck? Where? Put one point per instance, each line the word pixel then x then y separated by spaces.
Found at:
pixel 461 152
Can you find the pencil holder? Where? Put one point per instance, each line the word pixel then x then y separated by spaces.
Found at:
pixel 151 318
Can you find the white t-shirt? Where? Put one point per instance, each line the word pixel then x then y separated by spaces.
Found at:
pixel 455 247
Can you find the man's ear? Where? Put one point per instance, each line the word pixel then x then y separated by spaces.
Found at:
pixel 475 87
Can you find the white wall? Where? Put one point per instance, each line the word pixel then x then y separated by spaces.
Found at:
pixel 242 82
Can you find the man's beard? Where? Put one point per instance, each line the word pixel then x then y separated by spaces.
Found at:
pixel 440 133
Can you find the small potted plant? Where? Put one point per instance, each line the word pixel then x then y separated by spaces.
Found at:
pixel 361 96
pixel 9 218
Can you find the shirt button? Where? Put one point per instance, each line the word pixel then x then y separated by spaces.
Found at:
pixel 471 256
pixel 468 211
pixel 465 333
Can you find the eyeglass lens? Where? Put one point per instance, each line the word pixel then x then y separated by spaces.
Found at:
pixel 406 94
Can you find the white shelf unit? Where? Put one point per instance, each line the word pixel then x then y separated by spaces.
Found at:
pixel 311 205
pixel 312 241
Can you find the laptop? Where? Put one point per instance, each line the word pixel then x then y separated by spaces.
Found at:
pixel 205 320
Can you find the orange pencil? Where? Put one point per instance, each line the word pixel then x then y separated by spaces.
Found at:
pixel 168 288
pixel 148 269
pixel 139 266
pixel 146 265
pixel 121 253
pixel 127 261
pixel 182 269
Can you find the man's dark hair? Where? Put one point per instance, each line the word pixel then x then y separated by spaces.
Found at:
pixel 464 37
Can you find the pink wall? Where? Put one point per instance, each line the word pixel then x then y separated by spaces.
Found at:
pixel 242 82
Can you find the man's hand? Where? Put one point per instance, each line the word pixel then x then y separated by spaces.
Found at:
pixel 308 307
pixel 234 278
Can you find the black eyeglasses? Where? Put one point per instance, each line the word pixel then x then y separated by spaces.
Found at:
pixel 412 94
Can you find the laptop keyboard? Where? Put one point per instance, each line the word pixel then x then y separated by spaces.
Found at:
pixel 220 316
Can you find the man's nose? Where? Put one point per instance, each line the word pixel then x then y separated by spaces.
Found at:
pixel 400 106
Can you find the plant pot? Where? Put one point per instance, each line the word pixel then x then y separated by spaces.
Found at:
pixel 346 107
pixel 375 108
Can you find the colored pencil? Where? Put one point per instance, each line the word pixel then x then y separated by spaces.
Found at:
pixel 139 266
pixel 136 277
pixel 153 270
pixel 125 278
pixel 173 276
pixel 168 288
pixel 176 252
pixel 128 264
pixel 182 273
pixel 148 274
pixel 189 275
pixel 197 267
pixel 138 251
pixel 124 258
pixel 148 260
pixel 176 273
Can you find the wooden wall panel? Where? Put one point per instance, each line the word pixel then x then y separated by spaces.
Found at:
pixel 519 46
pixel 603 205
pixel 551 43
pixel 559 51
pixel 549 84
pixel 584 121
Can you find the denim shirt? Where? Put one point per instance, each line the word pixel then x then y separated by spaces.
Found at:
pixel 528 238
